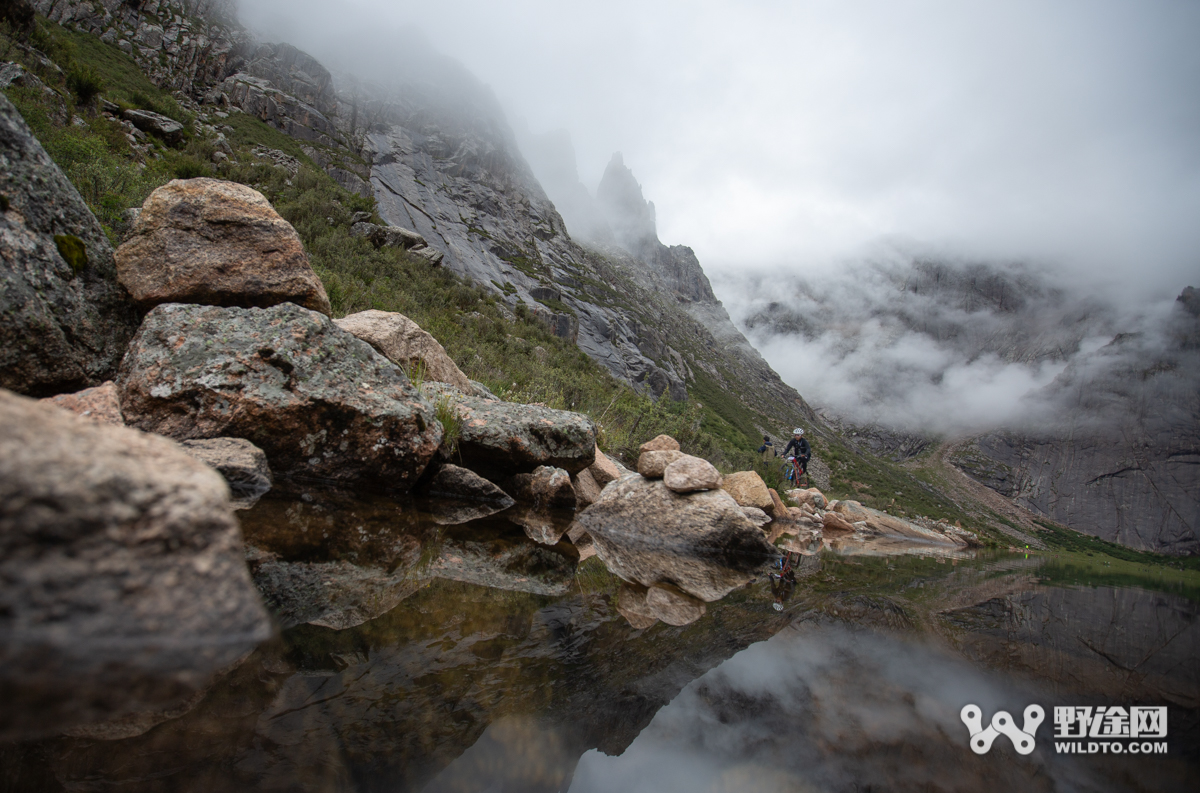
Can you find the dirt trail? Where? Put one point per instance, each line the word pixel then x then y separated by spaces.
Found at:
pixel 969 494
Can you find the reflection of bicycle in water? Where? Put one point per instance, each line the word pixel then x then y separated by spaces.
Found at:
pixel 783 579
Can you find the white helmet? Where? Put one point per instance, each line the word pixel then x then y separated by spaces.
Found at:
pixel 798 431
pixel 777 606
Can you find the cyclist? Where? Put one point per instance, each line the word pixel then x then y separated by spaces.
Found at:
pixel 803 453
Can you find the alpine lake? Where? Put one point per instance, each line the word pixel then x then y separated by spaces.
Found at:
pixel 449 657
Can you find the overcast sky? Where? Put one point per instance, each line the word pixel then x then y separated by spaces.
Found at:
pixel 800 135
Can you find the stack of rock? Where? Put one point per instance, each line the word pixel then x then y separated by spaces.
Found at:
pixel 673 535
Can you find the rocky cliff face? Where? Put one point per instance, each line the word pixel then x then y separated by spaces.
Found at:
pixel 1124 463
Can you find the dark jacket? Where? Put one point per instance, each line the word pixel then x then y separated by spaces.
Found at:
pixel 803 450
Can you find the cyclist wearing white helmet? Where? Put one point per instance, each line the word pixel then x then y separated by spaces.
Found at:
pixel 803 452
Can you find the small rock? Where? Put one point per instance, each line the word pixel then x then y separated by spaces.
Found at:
pixel 688 474
pixel 604 470
pixel 652 464
pixel 431 255
pixel 631 604
pixel 662 443
pixel 811 496
pixel 404 343
pixel 219 157
pixel 582 542
pixel 756 516
pixel 673 606
pixel 168 129
pixel 748 489
pixel 586 489
pixel 833 522
pixel 546 487
pixel 100 404
pixel 243 465
pixel 778 510
pixel 454 482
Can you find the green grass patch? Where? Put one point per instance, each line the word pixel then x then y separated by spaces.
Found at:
pixel 1085 545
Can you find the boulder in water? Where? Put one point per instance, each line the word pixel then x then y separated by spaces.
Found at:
pixel 242 464
pixel 701 542
pixel 124 586
pixel 673 606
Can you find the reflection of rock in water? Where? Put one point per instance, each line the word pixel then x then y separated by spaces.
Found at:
pixel 389 704
pixel 829 708
pixel 492 554
pixel 1129 644
pixel 700 542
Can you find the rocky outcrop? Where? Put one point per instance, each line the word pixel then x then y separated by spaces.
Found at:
pixel 404 343
pixel 124 588
pixel 498 439
pixel 101 404
pixel 216 243
pixel 64 319
pixel 321 403
pixel 700 542
pixel 242 464
pixel 166 128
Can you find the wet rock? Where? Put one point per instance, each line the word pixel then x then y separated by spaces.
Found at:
pixel 748 489
pixel 586 489
pixel 64 319
pixel 834 522
pixel 661 443
pixel 242 464
pixel 318 401
pixel 673 606
pixel 688 474
pixel 166 128
pixel 404 343
pixel 100 404
pixel 810 496
pixel 604 470
pixel 216 243
pixel 453 481
pixel 631 604
pixel 498 439
pixel 541 524
pixel 582 541
pixel 124 588
pixel 756 516
pixel 546 487
pixel 653 464
pixel 701 542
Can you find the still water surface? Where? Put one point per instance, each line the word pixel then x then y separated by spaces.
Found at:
pixel 496 664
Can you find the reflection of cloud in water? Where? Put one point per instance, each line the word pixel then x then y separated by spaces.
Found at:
pixel 827 708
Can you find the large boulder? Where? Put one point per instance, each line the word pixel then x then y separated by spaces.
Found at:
pixel 123 587
pixel 700 542
pixel 498 439
pixel 168 129
pixel 216 243
pixel 321 403
pixel 404 343
pixel 65 320
pixel 749 490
